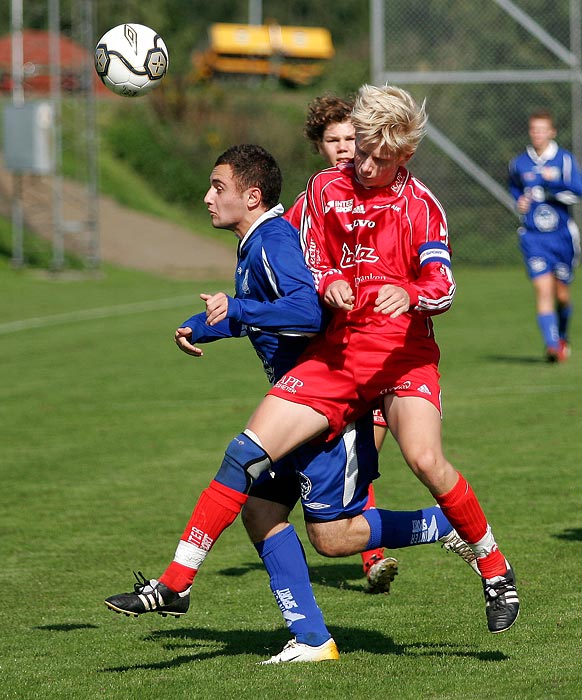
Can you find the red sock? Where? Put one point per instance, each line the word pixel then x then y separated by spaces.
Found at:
pixel 463 511
pixel 493 564
pixel 373 555
pixel 215 510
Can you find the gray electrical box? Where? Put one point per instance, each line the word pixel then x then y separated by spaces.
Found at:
pixel 28 138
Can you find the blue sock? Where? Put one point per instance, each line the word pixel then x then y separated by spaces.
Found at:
pixel 564 313
pixel 394 529
pixel 548 324
pixel 284 559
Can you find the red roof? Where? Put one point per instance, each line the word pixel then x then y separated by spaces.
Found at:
pixel 36 50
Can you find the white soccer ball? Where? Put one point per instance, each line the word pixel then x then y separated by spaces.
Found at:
pixel 131 59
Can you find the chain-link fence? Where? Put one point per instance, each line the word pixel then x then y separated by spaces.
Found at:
pixel 46 62
pixel 483 68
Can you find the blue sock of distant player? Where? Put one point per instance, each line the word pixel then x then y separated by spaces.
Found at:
pixel 286 565
pixel 394 529
pixel 548 324
pixel 564 313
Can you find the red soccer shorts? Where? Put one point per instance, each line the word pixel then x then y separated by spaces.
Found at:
pixel 379 419
pixel 344 379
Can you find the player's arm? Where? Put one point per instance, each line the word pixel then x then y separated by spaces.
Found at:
pixel 196 331
pixel 566 189
pixel 294 306
pixel 433 290
pixel 515 185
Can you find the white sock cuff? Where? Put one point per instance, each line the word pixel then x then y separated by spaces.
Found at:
pixel 485 545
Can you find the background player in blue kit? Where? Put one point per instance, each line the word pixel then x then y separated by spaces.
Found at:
pixel 545 181
pixel 277 308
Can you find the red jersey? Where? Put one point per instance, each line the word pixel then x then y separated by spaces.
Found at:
pixel 293 214
pixel 375 236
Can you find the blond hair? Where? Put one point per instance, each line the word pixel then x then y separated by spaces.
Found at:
pixel 388 117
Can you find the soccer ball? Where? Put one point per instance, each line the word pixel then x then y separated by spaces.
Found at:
pixel 131 59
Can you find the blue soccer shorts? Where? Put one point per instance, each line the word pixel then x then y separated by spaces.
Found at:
pixel 553 252
pixel 331 478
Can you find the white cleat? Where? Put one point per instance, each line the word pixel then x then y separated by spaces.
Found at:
pixel 381 575
pixel 294 651
pixel 453 543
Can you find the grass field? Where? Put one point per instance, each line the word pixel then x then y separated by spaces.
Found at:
pixel 109 434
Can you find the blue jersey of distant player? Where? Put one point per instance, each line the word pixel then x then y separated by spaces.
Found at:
pixel 277 307
pixel 549 237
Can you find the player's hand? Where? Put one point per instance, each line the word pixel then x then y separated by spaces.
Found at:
pixel 182 339
pixel 392 300
pixel 339 295
pixel 523 204
pixel 216 307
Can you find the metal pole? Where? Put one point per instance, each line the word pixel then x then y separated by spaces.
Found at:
pixel 57 182
pixel 17 101
pixel 377 40
pixel 17 54
pixel 255 11
pixel 94 253
pixel 576 48
pixel 576 89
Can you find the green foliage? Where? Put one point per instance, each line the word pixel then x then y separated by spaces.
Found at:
pixel 111 433
pixel 171 147
pixel 175 154
pixel 141 142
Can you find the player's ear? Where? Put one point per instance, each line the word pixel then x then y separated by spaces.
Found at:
pixel 405 158
pixel 254 196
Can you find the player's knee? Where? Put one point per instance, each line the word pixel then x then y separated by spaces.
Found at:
pixel 423 461
pixel 244 460
pixel 263 518
pixel 251 518
pixel 325 539
pixel 431 467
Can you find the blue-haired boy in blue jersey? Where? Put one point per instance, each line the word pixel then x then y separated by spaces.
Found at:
pixel 545 181
pixel 277 308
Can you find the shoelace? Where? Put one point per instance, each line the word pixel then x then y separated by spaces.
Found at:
pixel 461 548
pixel 494 591
pixel 142 582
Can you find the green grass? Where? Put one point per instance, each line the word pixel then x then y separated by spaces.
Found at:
pixel 109 434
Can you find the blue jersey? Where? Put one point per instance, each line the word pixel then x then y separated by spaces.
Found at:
pixel 549 238
pixel 553 183
pixel 277 307
pixel 275 302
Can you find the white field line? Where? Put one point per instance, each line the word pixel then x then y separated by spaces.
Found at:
pixel 91 314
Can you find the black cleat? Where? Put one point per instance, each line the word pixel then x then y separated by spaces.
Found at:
pixel 149 596
pixel 501 601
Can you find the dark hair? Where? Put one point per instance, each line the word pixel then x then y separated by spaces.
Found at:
pixel 323 111
pixel 253 166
